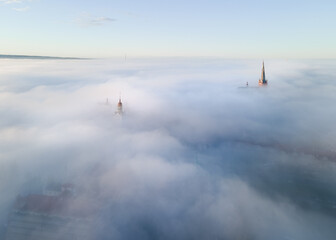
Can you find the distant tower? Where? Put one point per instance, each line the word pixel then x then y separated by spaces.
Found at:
pixel 119 107
pixel 262 80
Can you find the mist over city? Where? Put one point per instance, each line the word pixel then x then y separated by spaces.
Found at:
pixel 196 153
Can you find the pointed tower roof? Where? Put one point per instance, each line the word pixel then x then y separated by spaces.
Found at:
pixel 262 80
pixel 119 107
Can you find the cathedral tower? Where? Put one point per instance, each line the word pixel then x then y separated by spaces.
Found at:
pixel 262 80
pixel 119 107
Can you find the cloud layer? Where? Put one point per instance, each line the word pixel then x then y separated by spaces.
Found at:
pixel 197 155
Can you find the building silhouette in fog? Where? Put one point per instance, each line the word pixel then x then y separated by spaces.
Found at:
pixel 262 80
pixel 50 215
pixel 119 107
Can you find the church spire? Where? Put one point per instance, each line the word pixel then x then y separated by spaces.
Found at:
pixel 119 107
pixel 262 80
pixel 263 72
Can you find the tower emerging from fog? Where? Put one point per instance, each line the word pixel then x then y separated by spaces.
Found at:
pixel 262 80
pixel 119 107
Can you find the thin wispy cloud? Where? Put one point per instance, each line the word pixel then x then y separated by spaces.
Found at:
pixel 86 20
pixel 23 9
pixel 13 1
pixel 20 5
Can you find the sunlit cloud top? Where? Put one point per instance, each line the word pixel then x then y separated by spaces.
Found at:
pixel 196 155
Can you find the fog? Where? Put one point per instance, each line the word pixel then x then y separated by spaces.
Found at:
pixel 196 154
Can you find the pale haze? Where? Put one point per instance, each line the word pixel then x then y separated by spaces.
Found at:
pixel 196 155
pixel 167 120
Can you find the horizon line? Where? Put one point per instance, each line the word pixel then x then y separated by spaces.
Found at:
pixel 23 56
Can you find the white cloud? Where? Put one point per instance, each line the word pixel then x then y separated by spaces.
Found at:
pixel 23 9
pixel 18 3
pixel 195 157
pixel 12 1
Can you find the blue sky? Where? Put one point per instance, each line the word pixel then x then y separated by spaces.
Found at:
pixel 232 29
